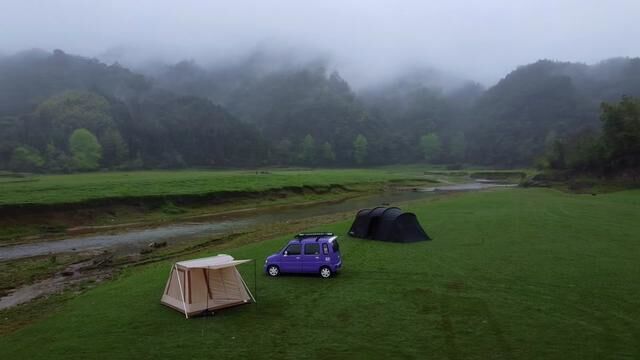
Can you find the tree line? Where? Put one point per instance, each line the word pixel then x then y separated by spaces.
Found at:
pixel 64 113
pixel 613 150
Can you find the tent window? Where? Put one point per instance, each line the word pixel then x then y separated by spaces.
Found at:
pixel 325 249
pixel 312 249
pixel 293 249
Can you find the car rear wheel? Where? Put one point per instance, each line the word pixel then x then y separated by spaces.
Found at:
pixel 273 270
pixel 325 272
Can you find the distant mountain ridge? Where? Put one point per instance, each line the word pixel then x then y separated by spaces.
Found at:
pixel 508 124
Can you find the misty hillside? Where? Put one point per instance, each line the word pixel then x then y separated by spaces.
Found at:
pixel 514 120
pixel 45 98
pixel 257 112
pixel 28 78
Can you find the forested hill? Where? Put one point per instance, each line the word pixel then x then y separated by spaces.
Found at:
pixel 63 113
pixel 289 106
pixel 516 119
pixel 30 77
pixel 60 112
pixel 508 124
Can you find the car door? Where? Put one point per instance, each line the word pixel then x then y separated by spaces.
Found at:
pixel 311 259
pixel 291 259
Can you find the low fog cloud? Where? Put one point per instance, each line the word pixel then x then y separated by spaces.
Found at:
pixel 365 40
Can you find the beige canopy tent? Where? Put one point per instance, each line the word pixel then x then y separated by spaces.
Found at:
pixel 206 284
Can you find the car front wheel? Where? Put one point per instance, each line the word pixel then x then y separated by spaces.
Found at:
pixel 325 272
pixel 273 270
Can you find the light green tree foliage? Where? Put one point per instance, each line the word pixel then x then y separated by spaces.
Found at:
pixel 430 146
pixel 61 114
pixel 85 149
pixel 26 158
pixel 114 150
pixel 458 147
pixel 360 149
pixel 328 155
pixel 308 153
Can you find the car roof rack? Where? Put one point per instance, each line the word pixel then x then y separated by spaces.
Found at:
pixel 301 236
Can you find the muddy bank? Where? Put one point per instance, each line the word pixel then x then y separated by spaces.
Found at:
pixel 56 219
pixel 581 183
pixel 498 175
pixel 133 240
pixel 492 175
pixel 152 201
pixel 156 201
pixel 95 270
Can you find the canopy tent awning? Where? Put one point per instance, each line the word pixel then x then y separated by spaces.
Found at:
pixel 206 284
pixel 213 262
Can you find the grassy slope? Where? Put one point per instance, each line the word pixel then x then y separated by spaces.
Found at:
pixel 512 274
pixel 49 189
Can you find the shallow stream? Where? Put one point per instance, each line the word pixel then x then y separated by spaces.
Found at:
pixel 132 241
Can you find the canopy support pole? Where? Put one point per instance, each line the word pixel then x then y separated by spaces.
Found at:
pixel 247 288
pixel 206 278
pixel 184 303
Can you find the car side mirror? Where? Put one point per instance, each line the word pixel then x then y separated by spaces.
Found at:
pixel 286 253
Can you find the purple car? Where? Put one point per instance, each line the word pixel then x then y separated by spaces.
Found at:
pixel 317 253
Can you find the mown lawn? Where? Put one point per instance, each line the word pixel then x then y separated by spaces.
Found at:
pixel 51 189
pixel 511 274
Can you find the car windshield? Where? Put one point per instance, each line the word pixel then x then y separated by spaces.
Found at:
pixel 336 246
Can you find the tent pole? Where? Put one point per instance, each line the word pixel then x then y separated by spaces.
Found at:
pixel 255 280
pixel 206 278
pixel 247 288
pixel 184 303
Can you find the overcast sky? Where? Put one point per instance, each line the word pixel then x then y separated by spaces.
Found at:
pixel 482 40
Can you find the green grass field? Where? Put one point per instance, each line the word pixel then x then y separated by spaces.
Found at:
pixel 512 274
pixel 51 189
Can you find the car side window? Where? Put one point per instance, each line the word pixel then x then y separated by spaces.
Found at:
pixel 293 249
pixel 312 249
pixel 325 249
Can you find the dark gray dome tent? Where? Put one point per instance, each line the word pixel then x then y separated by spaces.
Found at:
pixel 387 224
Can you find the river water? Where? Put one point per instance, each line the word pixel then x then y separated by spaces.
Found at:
pixel 133 240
